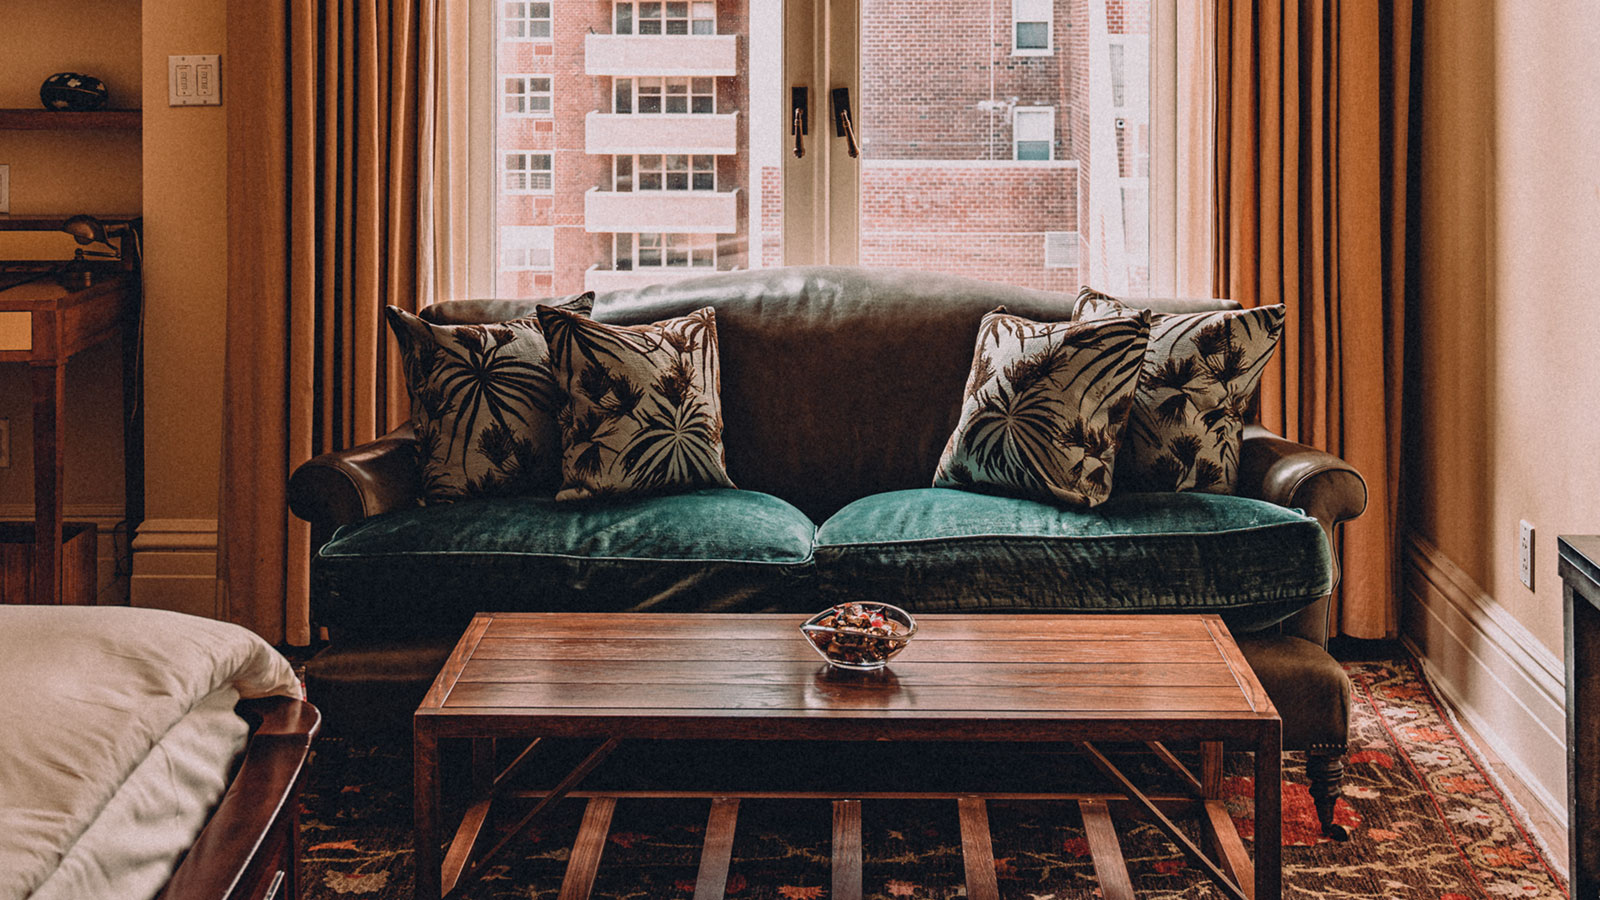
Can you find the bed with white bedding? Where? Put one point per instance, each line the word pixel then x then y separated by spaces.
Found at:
pixel 121 774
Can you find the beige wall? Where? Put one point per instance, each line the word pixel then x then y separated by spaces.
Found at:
pixel 1508 423
pixel 186 231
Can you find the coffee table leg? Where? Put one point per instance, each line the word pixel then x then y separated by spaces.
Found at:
pixel 425 814
pixel 1269 812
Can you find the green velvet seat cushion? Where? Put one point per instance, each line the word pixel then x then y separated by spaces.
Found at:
pixel 939 550
pixel 429 569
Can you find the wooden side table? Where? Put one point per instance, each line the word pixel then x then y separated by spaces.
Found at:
pixel 44 325
pixel 1580 576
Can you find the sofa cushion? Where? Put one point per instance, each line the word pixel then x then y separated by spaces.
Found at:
pixel 1045 407
pixel 427 570
pixel 938 550
pixel 483 404
pixel 1200 375
pixel 644 404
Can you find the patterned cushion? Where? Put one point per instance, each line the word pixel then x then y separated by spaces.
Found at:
pixel 483 404
pixel 644 407
pixel 1200 372
pixel 1045 407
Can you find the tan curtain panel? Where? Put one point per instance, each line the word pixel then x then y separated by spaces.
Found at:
pixel 327 139
pixel 1314 120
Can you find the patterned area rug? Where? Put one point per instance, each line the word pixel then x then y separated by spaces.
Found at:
pixel 1427 819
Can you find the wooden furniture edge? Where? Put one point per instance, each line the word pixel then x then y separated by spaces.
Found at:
pixel 262 797
pixel 451 673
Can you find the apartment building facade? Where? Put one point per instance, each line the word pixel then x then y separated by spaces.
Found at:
pixel 625 140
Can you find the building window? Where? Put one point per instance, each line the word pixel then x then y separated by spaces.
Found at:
pixel 527 173
pixel 525 21
pixel 1033 132
pixel 1060 249
pixel 1119 80
pixel 1033 22
pixel 650 96
pixel 665 172
pixel 527 95
pixel 527 248
pixel 670 18
pixel 666 251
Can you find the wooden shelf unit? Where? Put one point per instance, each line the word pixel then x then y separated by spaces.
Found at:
pixel 65 120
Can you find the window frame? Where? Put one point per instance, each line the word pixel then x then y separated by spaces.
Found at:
pixel 691 244
pixel 1016 142
pixel 526 20
pixel 548 265
pixel 637 170
pixel 527 171
pixel 528 95
pixel 1049 47
pixel 690 20
pixel 636 82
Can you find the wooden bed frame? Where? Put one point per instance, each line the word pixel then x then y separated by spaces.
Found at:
pixel 250 847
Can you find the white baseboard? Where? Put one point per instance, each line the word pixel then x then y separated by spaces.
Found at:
pixel 109 589
pixel 1501 679
pixel 175 566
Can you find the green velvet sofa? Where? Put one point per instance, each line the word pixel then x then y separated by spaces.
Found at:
pixel 840 388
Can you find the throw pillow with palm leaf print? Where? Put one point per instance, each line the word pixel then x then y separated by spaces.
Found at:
pixel 1200 373
pixel 1045 408
pixel 483 404
pixel 644 404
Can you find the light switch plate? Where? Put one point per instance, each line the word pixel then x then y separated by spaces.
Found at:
pixel 194 80
pixel 5 189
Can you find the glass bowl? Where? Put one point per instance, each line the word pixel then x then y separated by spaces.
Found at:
pixel 860 636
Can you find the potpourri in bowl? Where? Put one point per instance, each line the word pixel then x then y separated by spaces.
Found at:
pixel 860 636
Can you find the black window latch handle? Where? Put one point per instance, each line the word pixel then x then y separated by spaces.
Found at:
pixel 844 126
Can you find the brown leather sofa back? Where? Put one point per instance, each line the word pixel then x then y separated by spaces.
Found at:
pixel 837 382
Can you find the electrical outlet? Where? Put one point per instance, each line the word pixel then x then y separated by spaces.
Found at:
pixel 1525 555
pixel 194 80
pixel 5 443
pixel 5 189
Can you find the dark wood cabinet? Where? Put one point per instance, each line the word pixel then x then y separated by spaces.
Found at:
pixel 1579 566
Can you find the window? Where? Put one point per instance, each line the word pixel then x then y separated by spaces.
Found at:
pixel 527 173
pixel 670 18
pixel 1119 80
pixel 527 95
pixel 1033 132
pixel 1032 22
pixel 668 251
pixel 665 172
pixel 1060 249
pixel 527 247
pixel 650 96
pixel 526 21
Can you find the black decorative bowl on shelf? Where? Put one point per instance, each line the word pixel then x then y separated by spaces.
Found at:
pixel 72 92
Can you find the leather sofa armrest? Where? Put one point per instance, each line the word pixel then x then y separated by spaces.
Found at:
pixel 1329 489
pixel 349 485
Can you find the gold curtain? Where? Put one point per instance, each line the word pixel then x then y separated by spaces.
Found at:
pixel 327 140
pixel 1314 168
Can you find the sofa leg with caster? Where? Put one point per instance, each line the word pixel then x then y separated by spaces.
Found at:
pixel 1325 772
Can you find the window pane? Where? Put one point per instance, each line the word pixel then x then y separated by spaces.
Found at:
pixel 649 26
pixel 705 26
pixel 705 181
pixel 1033 150
pixel 624 96
pixel 677 104
pixel 1033 36
pixel 704 85
pixel 705 163
pixel 624 18
pixel 703 106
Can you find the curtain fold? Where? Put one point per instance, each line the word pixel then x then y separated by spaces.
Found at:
pixel 1314 118
pixel 327 146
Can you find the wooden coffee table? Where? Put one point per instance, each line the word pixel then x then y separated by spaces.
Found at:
pixel 964 678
